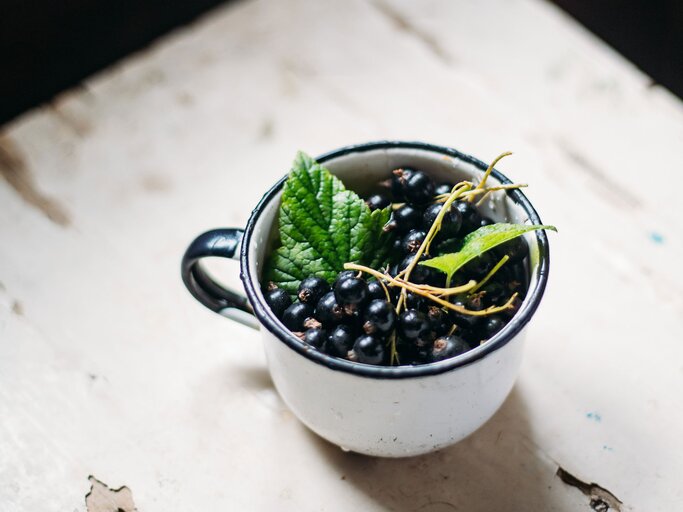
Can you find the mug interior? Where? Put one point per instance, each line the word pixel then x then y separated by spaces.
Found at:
pixel 361 168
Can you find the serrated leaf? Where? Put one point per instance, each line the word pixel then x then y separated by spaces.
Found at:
pixel 477 243
pixel 322 226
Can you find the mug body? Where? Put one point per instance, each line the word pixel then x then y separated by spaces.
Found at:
pixel 393 417
pixel 403 410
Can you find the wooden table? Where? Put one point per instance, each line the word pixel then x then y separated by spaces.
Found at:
pixel 109 368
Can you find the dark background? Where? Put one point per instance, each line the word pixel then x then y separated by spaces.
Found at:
pixel 47 46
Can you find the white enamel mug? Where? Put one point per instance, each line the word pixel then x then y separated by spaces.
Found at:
pixel 376 410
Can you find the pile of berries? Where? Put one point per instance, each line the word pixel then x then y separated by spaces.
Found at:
pixel 356 318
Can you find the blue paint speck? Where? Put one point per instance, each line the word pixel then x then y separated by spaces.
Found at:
pixel 607 448
pixel 594 416
pixel 657 238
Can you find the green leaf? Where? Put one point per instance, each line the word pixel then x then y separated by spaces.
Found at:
pixel 322 226
pixel 477 243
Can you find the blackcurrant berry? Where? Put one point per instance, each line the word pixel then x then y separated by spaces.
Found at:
pixel 312 289
pixel 328 311
pixel 399 179
pixel 278 300
pixel 461 319
pixel 420 273
pixel 315 337
pixel 377 202
pixel 443 188
pixel 340 341
pixel 414 301
pixel 494 294
pixel 406 217
pixel 344 274
pixel 450 224
pixel 475 301
pixel 368 349
pixel 413 324
pixel 517 249
pixel 412 241
pixel 376 291
pixel 471 219
pixel 491 325
pixel 485 221
pixel 352 290
pixel 419 188
pixel 438 320
pixel 380 317
pixel 479 266
pixel 448 346
pixel 295 316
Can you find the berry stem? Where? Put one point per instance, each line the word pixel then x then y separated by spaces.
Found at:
pixel 457 191
pixel 419 290
pixel 482 183
pixel 495 269
pixel 434 290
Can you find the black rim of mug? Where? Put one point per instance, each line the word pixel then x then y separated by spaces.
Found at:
pixel 270 322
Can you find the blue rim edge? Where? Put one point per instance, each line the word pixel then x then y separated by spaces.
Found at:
pixel 270 322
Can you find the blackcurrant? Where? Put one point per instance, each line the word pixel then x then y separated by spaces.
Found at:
pixel 352 290
pixel 412 241
pixel 315 337
pixel 312 289
pixel 377 201
pixel 461 319
pixel 376 291
pixel 420 274
pixel 491 325
pixel 443 188
pixel 368 349
pixel 344 274
pixel 340 341
pixel 448 346
pixel 447 246
pixel 399 179
pixel 485 221
pixel 516 249
pixel 494 294
pixel 406 217
pixel 438 320
pixel 413 324
pixel 480 266
pixel 419 188
pixel 470 217
pixel 328 311
pixel 450 224
pixel 414 301
pixel 278 300
pixel 295 316
pixel 379 317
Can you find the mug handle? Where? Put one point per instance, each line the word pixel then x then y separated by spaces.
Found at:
pixel 223 243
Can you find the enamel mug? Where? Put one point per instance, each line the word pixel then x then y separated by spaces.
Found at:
pixel 376 410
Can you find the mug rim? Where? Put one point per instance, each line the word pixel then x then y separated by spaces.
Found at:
pixel 269 321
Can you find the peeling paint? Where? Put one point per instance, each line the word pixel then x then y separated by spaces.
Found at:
pixel 601 500
pixel 102 498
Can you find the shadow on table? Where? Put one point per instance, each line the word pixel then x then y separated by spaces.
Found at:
pixel 498 468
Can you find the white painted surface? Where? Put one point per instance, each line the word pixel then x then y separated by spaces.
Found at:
pixel 108 367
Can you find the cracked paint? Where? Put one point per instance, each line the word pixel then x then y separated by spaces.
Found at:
pixel 601 500
pixel 101 498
